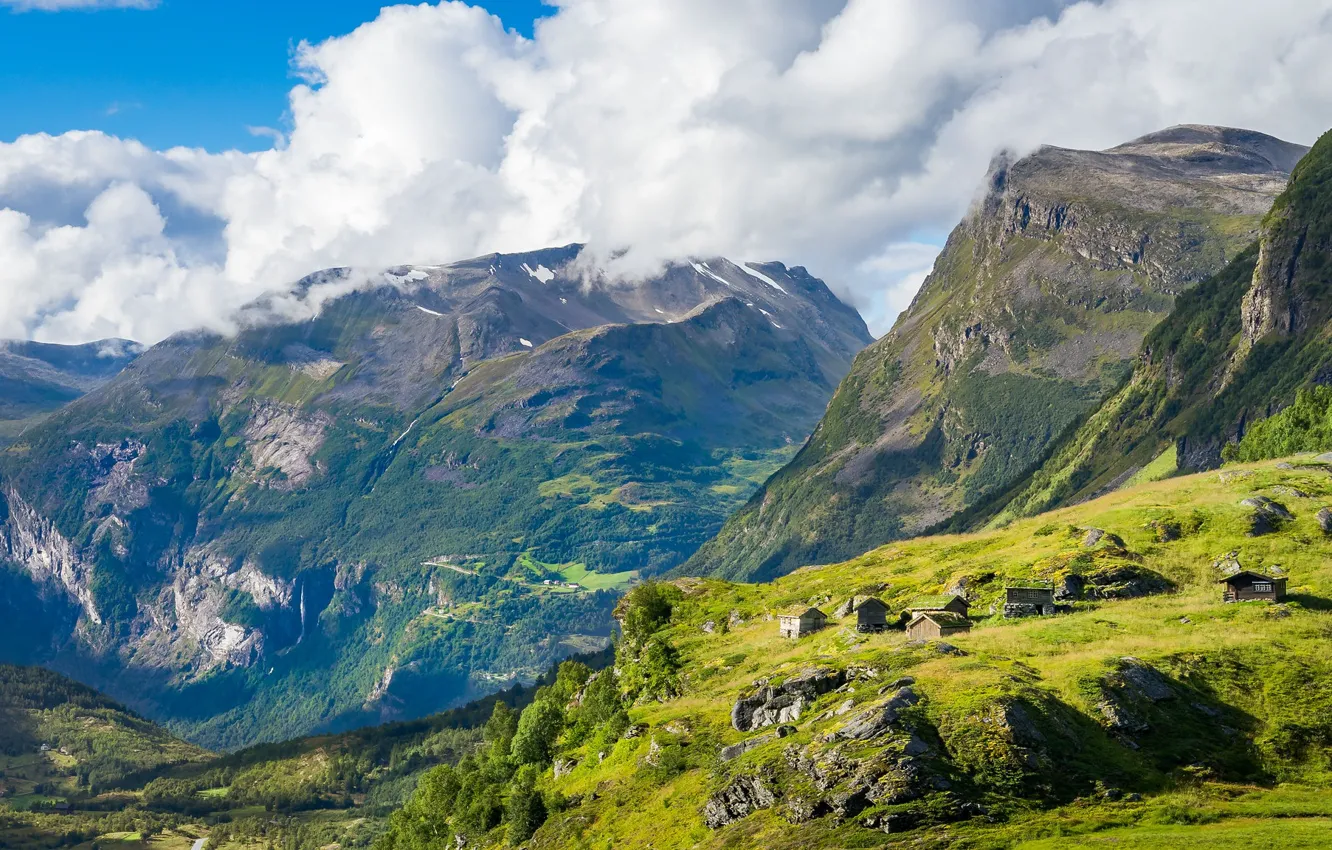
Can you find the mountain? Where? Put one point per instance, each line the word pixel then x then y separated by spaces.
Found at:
pixel 1032 315
pixel 1237 349
pixel 37 378
pixel 431 487
pixel 1146 712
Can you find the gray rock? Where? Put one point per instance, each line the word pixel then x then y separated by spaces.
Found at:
pixel 710 626
pixel 745 795
pixel 563 767
pixel 875 721
pixel 1145 680
pixel 1118 718
pixel 735 618
pixel 1292 492
pixel 1069 589
pixel 1325 520
pixel 784 703
pixel 1267 515
pixel 735 751
pixel 1285 464
pixel 1093 536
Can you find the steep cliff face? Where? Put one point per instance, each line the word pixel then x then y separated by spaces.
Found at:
pixel 1031 316
pixel 1235 350
pixel 429 489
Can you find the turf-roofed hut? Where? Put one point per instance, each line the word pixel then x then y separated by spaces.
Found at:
pixel 1244 586
pixel 930 625
pixel 798 623
pixel 939 602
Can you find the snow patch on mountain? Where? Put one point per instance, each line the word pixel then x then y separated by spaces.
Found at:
pixel 758 276
pixel 541 273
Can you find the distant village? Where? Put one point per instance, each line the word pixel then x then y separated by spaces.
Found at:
pixel 937 617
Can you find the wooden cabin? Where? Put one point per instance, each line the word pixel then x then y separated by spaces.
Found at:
pixel 797 624
pixel 1029 599
pixel 931 625
pixel 1245 585
pixel 871 616
pixel 943 602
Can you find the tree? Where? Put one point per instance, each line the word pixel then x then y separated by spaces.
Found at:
pixel 526 810
pixel 646 609
pixel 500 728
pixel 538 728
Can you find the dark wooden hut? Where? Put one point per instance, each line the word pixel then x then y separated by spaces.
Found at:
pixel 871 616
pixel 1245 585
pixel 942 602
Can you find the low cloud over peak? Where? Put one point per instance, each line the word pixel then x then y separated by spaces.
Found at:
pixel 843 136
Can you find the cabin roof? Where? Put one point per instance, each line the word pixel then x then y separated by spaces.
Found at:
pixel 801 612
pixel 934 601
pixel 940 618
pixel 1250 573
pixel 870 603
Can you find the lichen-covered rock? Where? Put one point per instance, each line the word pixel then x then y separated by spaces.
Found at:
pixel 563 767
pixel 1267 515
pixel 784 703
pixel 745 794
pixel 875 721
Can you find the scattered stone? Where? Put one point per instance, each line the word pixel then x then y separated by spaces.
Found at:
pixel 844 610
pixel 944 648
pixel 1133 798
pixel 710 626
pixel 745 794
pixel 1285 464
pixel 1292 492
pixel 735 619
pixel 634 731
pixel 677 727
pixel 892 822
pixel 1230 475
pixel 1185 620
pixel 563 767
pixel 844 708
pixel 1325 520
pixel 1228 563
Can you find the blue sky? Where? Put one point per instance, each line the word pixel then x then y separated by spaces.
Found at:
pixel 188 72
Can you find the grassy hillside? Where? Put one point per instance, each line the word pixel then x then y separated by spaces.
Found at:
pixel 60 740
pixel 1147 713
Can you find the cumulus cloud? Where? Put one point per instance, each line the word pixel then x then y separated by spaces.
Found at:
pixel 61 5
pixel 844 135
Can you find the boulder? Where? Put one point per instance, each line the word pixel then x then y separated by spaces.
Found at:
pixel 563 767
pixel 745 795
pixel 1145 680
pixel 1325 520
pixel 1267 515
pixel 784 703
pixel 710 626
pixel 875 721
pixel 1069 588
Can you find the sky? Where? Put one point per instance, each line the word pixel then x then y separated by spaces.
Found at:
pixel 164 163
pixel 183 72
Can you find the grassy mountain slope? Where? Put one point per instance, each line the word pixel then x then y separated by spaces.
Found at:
pixel 1029 319
pixel 59 739
pixel 388 504
pixel 1147 713
pixel 37 378
pixel 1237 349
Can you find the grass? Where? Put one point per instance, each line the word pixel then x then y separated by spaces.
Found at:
pixel 1217 654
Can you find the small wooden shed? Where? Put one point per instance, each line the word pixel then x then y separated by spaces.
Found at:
pixel 943 602
pixel 871 616
pixel 929 625
pixel 797 624
pixel 1245 585
pixel 1026 599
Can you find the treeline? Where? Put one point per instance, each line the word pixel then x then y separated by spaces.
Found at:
pixel 499 786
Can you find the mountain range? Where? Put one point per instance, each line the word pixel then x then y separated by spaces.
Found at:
pixel 427 489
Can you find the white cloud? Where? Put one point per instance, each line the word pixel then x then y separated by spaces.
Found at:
pixel 826 133
pixel 62 5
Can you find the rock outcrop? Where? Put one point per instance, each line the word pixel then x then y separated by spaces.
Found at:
pixel 770 705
